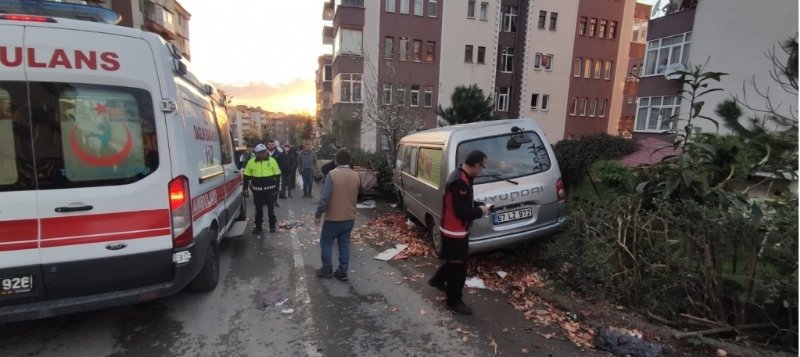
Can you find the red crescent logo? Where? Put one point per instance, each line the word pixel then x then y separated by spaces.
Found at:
pixel 100 160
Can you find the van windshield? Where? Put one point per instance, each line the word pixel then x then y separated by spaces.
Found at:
pixel 509 156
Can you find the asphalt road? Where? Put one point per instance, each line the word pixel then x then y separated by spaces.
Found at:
pixel 270 303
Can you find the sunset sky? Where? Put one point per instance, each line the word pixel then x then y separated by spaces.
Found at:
pixel 263 52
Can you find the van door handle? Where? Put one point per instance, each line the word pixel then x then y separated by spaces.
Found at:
pixel 236 172
pixel 74 208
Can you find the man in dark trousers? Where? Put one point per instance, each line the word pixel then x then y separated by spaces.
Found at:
pixel 288 170
pixel 307 165
pixel 458 211
pixel 262 176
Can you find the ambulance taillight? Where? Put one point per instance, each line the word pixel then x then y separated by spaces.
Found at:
pixel 180 207
pixel 28 18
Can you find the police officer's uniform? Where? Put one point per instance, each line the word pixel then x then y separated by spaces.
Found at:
pixel 262 177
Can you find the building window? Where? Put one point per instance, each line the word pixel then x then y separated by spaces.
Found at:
pixel 547 61
pixel 603 108
pixel 542 19
pixel 471 9
pixel 347 41
pixel 417 54
pixel 510 18
pixel 428 96
pixel 592 27
pixel 587 68
pixel 582 107
pixel 389 5
pixel 607 70
pixel 634 71
pixel 401 95
pixel 593 107
pixel 388 47
pixel 433 8
pixel 631 99
pixel 582 26
pixel 653 112
pixel 667 51
pixel 612 30
pixel 537 61
pixel 577 69
pixel 347 88
pixel 553 18
pixel 502 99
pixel 484 11
pixel 507 60
pixel 404 48
pixel 545 102
pixel 534 100
pixel 430 54
pixel 404 6
pixel 387 94
pixel 574 106
pixel 468 53
pixel 415 95
pixel 328 74
pixel 601 30
pixel 418 7
pixel 598 66
pixel 481 54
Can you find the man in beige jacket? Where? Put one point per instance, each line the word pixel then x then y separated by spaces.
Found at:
pixel 338 204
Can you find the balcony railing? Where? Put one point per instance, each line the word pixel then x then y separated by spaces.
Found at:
pixel 674 7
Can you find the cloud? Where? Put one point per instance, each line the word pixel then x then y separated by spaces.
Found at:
pixel 293 97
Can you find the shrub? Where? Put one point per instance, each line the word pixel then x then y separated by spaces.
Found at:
pixel 379 162
pixel 575 157
pixel 613 174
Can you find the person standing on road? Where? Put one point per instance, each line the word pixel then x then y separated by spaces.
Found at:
pixel 288 170
pixel 458 211
pixel 307 166
pixel 262 177
pixel 338 204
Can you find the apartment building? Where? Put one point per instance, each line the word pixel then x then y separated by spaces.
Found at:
pixel 324 86
pixel 247 121
pixel 636 52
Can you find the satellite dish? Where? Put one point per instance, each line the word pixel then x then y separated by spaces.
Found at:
pixel 656 7
pixel 674 71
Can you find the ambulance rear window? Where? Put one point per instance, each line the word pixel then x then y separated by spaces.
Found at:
pixel 82 135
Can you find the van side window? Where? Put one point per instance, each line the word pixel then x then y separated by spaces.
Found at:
pixel 207 155
pixel 88 135
pixel 225 137
pixel 407 160
pixel 429 165
pixel 16 152
pixel 413 162
pixel 399 157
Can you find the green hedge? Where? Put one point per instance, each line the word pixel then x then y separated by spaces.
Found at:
pixel 576 157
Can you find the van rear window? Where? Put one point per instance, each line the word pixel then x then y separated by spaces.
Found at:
pixel 82 135
pixel 508 158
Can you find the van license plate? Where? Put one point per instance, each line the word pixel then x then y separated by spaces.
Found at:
pixel 16 285
pixel 510 216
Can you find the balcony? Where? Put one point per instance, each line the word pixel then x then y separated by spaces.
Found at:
pixel 327 11
pixel 674 7
pixel 327 35
pixel 356 3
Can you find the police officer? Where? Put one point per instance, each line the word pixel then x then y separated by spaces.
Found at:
pixel 262 176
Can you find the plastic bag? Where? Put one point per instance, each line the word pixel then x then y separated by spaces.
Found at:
pixel 299 181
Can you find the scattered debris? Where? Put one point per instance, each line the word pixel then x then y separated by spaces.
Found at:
pixel 368 204
pixel 622 344
pixel 400 257
pixel 475 283
pixel 393 205
pixel 391 252
pixel 721 353
pixel 280 303
pixel 493 343
pixel 287 311
pixel 501 274
pixel 291 224
pixel 410 223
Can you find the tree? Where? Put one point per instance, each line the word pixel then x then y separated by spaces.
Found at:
pixel 468 105
pixel 308 130
pixel 251 138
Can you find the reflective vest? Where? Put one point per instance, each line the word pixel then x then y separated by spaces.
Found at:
pixel 262 174
pixel 452 226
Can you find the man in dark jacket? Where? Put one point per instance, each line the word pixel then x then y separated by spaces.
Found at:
pixel 458 211
pixel 288 170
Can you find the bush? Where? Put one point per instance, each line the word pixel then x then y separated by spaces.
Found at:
pixel 575 157
pixel 379 162
pixel 613 174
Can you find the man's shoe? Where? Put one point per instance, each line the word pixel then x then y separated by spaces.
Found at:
pixel 257 230
pixel 439 285
pixel 272 229
pixel 340 276
pixel 460 308
pixel 324 273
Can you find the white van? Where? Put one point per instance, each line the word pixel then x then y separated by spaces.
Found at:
pixel 521 179
pixel 117 178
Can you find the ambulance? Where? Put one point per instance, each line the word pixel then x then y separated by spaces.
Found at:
pixel 117 173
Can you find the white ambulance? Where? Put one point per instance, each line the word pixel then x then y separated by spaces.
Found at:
pixel 117 177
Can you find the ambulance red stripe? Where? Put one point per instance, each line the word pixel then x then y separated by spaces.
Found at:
pixel 120 222
pixel 4 247
pixel 105 238
pixel 18 230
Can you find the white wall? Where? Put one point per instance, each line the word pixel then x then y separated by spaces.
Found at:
pixel 458 31
pixel 372 13
pixel 734 35
pixel 554 82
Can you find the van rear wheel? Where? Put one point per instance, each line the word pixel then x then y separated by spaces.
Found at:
pixel 435 235
pixel 208 277
pixel 243 211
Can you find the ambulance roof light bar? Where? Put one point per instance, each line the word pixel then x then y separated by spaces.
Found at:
pixel 40 9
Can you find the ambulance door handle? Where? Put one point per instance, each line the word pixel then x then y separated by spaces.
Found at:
pixel 236 172
pixel 74 208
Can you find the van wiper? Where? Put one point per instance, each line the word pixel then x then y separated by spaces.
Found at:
pixel 501 178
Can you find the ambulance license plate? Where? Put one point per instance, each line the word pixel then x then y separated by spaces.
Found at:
pixel 515 215
pixel 16 285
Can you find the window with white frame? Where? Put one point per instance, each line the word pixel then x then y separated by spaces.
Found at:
pixel 404 48
pixel 542 19
pixel 537 60
pixel 430 53
pixel 347 41
pixel 592 107
pixel 582 107
pixel 553 18
pixel 603 108
pixel 601 30
pixel 587 68
pixel 404 6
pixel 418 10
pixel 428 100
pixel 577 65
pixel 347 88
pixel 481 54
pixel 471 9
pixel 598 66
pixel 415 95
pixel 653 113
pixel 387 94
pixel 389 5
pixel 574 106
pixel 510 18
pixel 545 102
pixel 592 27
pixel 417 51
pixel 328 73
pixel 534 100
pixel 582 26
pixel 612 30
pixel 507 60
pixel 433 8
pixel 503 96
pixel 607 69
pixel 547 62
pixel 667 51
pixel 468 53
pixel 484 11
pixel 388 47
pixel 401 95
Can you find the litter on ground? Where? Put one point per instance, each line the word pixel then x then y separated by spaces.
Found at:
pixel 391 252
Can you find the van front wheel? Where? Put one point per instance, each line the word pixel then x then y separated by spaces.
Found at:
pixel 435 234
pixel 208 277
